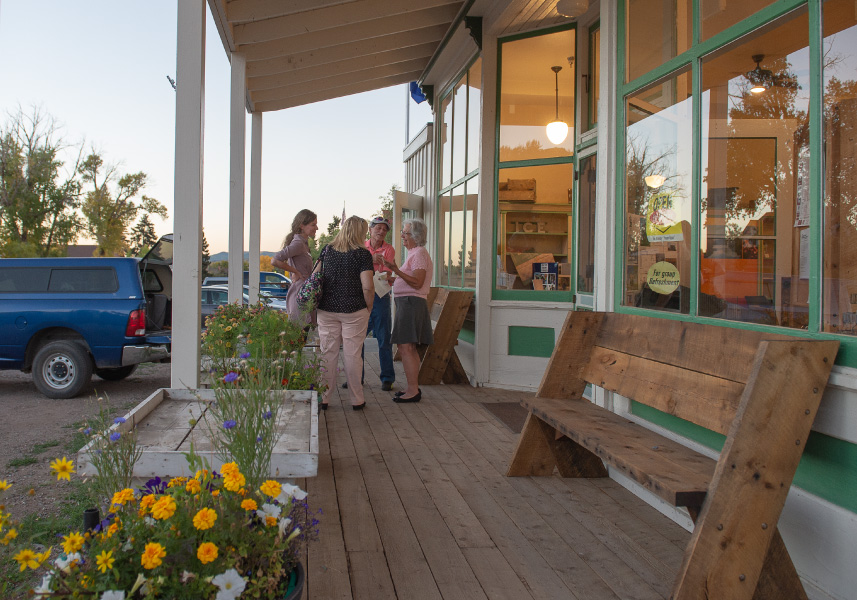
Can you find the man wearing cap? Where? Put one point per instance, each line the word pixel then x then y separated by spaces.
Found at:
pixel 380 320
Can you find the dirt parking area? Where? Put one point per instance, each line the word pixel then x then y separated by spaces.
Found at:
pixel 35 430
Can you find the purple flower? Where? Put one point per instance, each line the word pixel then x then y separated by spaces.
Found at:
pixel 245 355
pixel 259 439
pixel 229 424
pixel 154 486
pixel 87 431
pixel 267 415
pixel 118 420
pixel 114 437
pixel 230 377
pixel 312 386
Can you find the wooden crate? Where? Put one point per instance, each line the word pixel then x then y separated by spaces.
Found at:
pixel 164 432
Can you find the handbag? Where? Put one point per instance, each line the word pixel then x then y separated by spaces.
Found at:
pixel 310 293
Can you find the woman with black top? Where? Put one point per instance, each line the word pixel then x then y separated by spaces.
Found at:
pixel 343 311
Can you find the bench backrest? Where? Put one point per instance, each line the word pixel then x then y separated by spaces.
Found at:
pixel 693 371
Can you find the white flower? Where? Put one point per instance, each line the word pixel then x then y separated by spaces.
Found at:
pixel 140 581
pixel 291 491
pixel 268 510
pixel 149 521
pixel 231 585
pixel 64 561
pixel 113 595
pixel 45 587
pixel 283 524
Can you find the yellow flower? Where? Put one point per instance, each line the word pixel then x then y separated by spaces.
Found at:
pixel 215 493
pixel 229 469
pixel 204 519
pixel 105 561
pixel 176 482
pixel 121 498
pixel 271 488
pixel 234 482
pixel 193 486
pixel 206 552
pixel 270 521
pixel 4 485
pixel 10 535
pixel 72 542
pixel 249 504
pixel 27 558
pixel 164 508
pixel 63 467
pixel 114 527
pixel 201 474
pixel 147 501
pixel 152 555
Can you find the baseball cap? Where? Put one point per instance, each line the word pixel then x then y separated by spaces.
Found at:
pixel 379 221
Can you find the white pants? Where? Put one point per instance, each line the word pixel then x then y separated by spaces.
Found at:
pixel 348 329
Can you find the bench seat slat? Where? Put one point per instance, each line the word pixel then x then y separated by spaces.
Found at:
pixel 696 397
pixel 669 470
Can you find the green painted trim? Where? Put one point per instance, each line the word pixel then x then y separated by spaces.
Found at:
pixel 816 165
pixel 467 334
pixel 696 176
pixel 459 19
pixel 533 295
pixel 590 100
pixel 458 182
pixel 827 467
pixel 531 341
pixel 536 33
pixel 495 204
pixel 585 145
pixel 535 162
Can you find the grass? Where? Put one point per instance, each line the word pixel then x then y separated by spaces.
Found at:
pixel 21 462
pixel 41 447
pixel 78 440
pixel 44 531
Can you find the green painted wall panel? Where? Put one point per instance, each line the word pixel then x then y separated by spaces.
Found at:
pixel 531 341
pixel 828 467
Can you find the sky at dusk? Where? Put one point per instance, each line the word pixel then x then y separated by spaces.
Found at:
pixel 100 69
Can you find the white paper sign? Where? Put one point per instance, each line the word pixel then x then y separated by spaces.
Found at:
pixel 382 288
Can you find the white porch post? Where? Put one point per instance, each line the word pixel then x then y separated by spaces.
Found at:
pixel 255 203
pixel 486 250
pixel 237 133
pixel 187 239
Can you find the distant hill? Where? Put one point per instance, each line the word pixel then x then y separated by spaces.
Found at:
pixel 225 255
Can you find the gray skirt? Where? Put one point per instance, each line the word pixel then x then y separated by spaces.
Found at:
pixel 413 322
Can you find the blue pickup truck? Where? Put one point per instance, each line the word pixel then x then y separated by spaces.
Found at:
pixel 64 319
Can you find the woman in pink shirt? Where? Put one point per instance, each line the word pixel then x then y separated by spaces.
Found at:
pixel 412 324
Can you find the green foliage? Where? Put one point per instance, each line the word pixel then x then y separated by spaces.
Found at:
pixel 387 201
pixel 323 239
pixel 142 237
pixel 206 257
pixel 38 199
pixel 113 451
pixel 218 268
pixel 109 212
pixel 16 463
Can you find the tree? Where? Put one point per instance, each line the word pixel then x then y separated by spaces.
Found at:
pixel 38 201
pixel 143 236
pixel 109 213
pixel 315 245
pixel 387 202
pixel 218 268
pixel 206 257
pixel 265 263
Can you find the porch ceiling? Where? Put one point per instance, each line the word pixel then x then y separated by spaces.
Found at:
pixel 304 51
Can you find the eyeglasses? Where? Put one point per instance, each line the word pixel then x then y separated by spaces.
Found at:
pixel 407 233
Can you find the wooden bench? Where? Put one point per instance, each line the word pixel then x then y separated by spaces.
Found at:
pixel 439 362
pixel 761 390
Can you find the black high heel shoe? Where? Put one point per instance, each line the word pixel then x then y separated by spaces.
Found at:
pixel 415 398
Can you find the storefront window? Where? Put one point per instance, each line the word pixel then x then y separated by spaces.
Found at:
pixel 658 178
pixel 656 31
pixel 839 297
pixel 461 107
pixel 534 227
pixel 586 227
pixel 529 99
pixel 594 80
pixel 754 206
pixel 717 15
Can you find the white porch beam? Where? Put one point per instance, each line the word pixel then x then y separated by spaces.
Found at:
pixel 441 15
pixel 322 20
pixel 255 203
pixel 237 134
pixel 352 65
pixel 340 81
pixel 308 59
pixel 187 193
pixel 242 11
pixel 338 92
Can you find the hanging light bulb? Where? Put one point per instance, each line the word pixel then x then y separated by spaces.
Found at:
pixel 557 130
pixel 761 79
pixel 655 181
pixel 572 8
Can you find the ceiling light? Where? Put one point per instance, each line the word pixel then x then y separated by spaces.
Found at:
pixel 557 130
pixel 655 181
pixel 761 79
pixel 572 8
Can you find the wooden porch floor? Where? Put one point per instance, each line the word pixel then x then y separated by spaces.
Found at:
pixel 416 506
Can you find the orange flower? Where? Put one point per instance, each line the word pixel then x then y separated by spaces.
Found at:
pixel 204 519
pixel 164 508
pixel 152 555
pixel 193 486
pixel 249 504
pixel 206 552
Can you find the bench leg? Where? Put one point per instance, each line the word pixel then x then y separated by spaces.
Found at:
pixel 779 579
pixel 455 373
pixel 538 453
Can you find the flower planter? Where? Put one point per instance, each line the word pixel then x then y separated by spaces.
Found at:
pixel 297 580
pixel 170 419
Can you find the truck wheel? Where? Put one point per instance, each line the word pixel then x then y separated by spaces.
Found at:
pixel 61 369
pixel 117 373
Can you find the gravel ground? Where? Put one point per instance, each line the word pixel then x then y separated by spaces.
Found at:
pixel 35 430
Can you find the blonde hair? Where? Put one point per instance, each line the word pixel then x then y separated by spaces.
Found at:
pixel 304 217
pixel 351 235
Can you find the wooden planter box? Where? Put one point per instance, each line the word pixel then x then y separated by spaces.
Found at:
pixel 164 433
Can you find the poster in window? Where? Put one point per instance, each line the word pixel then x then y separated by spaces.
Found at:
pixel 662 222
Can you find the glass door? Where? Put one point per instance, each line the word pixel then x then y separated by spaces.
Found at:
pixel 405 206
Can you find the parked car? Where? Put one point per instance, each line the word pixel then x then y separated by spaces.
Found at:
pixel 218 295
pixel 275 284
pixel 64 319
pixel 215 281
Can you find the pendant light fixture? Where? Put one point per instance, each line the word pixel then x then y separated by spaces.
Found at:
pixel 759 78
pixel 557 130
